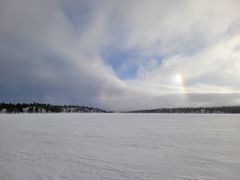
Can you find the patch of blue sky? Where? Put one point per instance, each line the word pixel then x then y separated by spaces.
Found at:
pixel 127 74
pixel 125 63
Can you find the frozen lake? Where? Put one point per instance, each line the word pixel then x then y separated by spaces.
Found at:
pixel 119 146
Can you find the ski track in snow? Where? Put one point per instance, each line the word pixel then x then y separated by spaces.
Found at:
pixel 119 146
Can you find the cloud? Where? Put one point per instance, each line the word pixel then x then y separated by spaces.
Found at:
pixel 166 26
pixel 216 65
pixel 184 52
pixel 209 77
pixel 45 57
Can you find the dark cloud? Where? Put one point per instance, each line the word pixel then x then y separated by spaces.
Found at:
pixel 33 76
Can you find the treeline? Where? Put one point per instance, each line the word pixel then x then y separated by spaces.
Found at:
pixel 44 108
pixel 222 109
pixel 49 108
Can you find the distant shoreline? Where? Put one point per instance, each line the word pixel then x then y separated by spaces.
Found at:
pixel 46 108
pixel 13 108
pixel 194 110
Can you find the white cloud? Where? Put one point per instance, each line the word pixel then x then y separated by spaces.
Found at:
pixel 164 26
pixel 216 65
pixel 199 40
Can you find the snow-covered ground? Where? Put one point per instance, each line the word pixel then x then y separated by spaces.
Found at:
pixel 119 146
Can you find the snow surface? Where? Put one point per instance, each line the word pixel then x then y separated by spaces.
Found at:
pixel 119 146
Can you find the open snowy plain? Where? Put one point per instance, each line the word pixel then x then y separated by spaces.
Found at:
pixel 119 146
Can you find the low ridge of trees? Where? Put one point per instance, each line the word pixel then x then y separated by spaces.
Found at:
pixel 44 108
pixel 222 109
pixel 48 108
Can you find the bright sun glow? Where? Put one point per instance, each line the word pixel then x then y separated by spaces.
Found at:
pixel 177 80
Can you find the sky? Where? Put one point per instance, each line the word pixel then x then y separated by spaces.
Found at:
pixel 120 55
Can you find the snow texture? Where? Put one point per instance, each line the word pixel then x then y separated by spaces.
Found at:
pixel 119 146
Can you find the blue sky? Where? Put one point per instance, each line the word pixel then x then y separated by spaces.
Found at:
pixel 120 55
